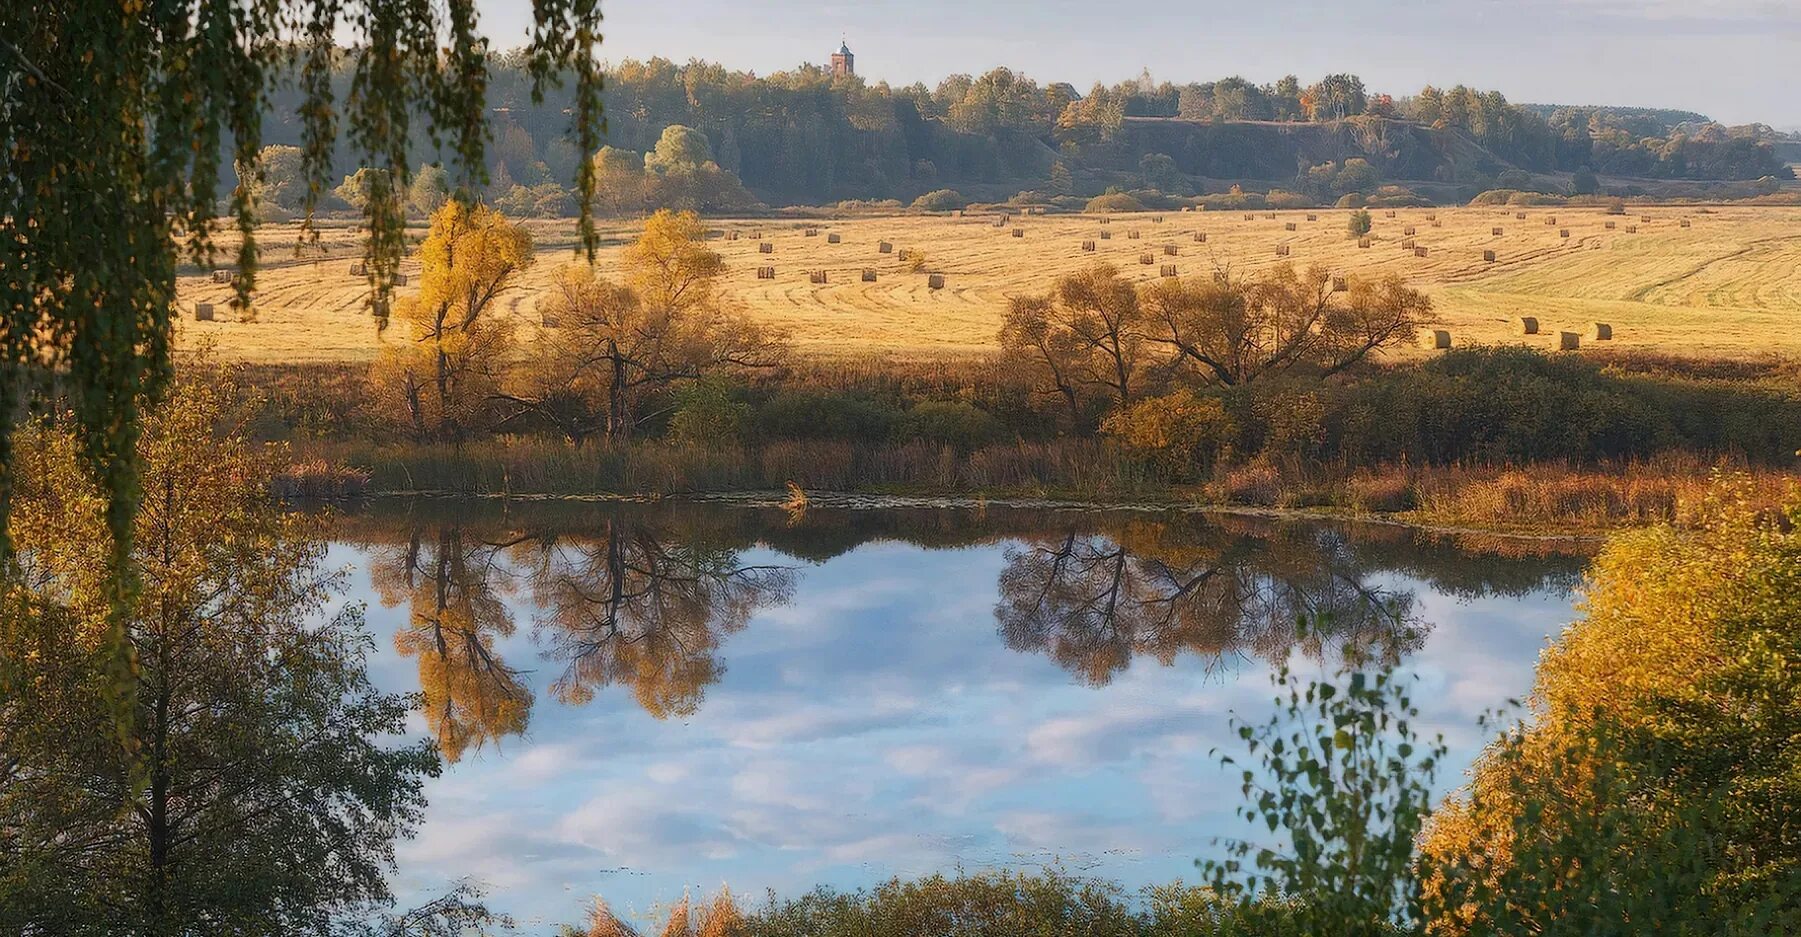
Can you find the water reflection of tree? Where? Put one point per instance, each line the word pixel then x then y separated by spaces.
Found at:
pixel 452 587
pixel 1092 601
pixel 644 605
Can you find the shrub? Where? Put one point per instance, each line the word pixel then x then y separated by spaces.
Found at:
pixel 1282 198
pixel 1359 223
pixel 707 412
pixel 958 424
pixel 941 200
pixel 1114 202
pixel 807 414
pixel 1181 433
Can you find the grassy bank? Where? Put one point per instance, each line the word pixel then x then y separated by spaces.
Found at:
pixel 1542 496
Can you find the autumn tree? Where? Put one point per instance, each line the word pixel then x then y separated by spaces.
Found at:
pixel 440 373
pixel 118 120
pixel 631 602
pixel 608 347
pixel 454 590
pixel 253 793
pixel 1083 337
pixel 1235 330
pixel 1092 601
pixel 429 190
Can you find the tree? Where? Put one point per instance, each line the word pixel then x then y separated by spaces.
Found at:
pixel 619 185
pixel 1082 337
pixel 1359 223
pixel 1158 171
pixel 1236 330
pixel 429 191
pixel 456 610
pixel 1667 713
pixel 367 190
pixel 113 164
pixel 612 345
pixel 1335 97
pixel 1583 182
pixel 441 373
pixel 252 794
pixel 277 177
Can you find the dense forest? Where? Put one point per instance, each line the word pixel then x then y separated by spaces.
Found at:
pixel 805 137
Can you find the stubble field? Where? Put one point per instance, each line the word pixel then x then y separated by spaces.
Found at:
pixel 1727 285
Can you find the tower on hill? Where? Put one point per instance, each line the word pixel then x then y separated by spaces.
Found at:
pixel 844 64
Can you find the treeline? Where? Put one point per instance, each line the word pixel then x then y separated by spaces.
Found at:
pixel 801 136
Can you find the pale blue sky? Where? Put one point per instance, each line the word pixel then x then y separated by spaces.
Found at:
pixel 1736 60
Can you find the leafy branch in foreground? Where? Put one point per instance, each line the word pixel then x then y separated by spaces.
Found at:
pixel 115 121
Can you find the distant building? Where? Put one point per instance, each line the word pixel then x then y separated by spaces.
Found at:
pixel 844 64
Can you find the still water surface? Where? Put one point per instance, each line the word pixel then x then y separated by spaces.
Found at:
pixel 636 699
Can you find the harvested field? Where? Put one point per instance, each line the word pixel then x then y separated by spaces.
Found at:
pixel 1727 285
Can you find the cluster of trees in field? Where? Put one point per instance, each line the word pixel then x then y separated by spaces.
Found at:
pixel 803 136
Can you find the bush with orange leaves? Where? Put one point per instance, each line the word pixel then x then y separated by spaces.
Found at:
pixel 1658 781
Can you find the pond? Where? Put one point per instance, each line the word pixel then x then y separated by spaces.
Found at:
pixel 639 699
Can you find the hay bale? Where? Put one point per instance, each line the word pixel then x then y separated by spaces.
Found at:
pixel 1608 225
pixel 816 277
pixel 1568 341
pixel 868 275
pixel 810 232
pixel 1600 331
pixel 731 235
pixel 1407 244
pixel 765 273
pixel 1200 237
pixel 1410 229
pixel 1171 250
pixel 935 281
pixel 1269 216
pixel 1519 216
pixel 1388 214
pixel 1088 246
pixel 884 248
pixel 834 239
pixel 1132 235
pixel 1019 232
pixel 1167 270
pixel 1147 259
pixel 1340 284
pixel 1632 229
pixel 1488 256
pixel 1432 216
pixel 1156 219
pixel 1525 325
pixel 1551 221
pixel 1281 250
pixel 359 270
pixel 1250 216
pixel 1645 218
pixel 1563 232
pixel 1312 217
pixel 400 279
pixel 1437 338
pixel 1289 226
pixel 1684 222
pixel 1106 235
pixel 1419 252
pixel 203 312
pixel 1495 231
pixel 765 248
pixel 1106 220
pixel 1364 242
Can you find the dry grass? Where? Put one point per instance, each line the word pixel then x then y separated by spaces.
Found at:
pixel 1729 286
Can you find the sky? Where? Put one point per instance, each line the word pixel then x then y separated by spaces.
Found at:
pixel 1734 60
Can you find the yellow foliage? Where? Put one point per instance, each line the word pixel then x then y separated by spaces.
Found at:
pixel 1179 431
pixel 722 919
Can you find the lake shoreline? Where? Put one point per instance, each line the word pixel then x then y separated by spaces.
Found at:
pixel 873 501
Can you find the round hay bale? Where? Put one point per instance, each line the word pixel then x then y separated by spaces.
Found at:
pixel 868 275
pixel 765 273
pixel 1281 250
pixel 358 270
pixel 1019 232
pixel 203 312
pixel 1340 284
pixel 1525 325
pixel 765 248
pixel 816 277
pixel 1171 250
pixel 1289 226
pixel 1088 246
pixel 1167 270
pixel 1488 256
pixel 834 239
pixel 935 281
pixel 1147 259
pixel 1600 331
pixel 1568 341
pixel 1200 237
pixel 884 248
pixel 1436 338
